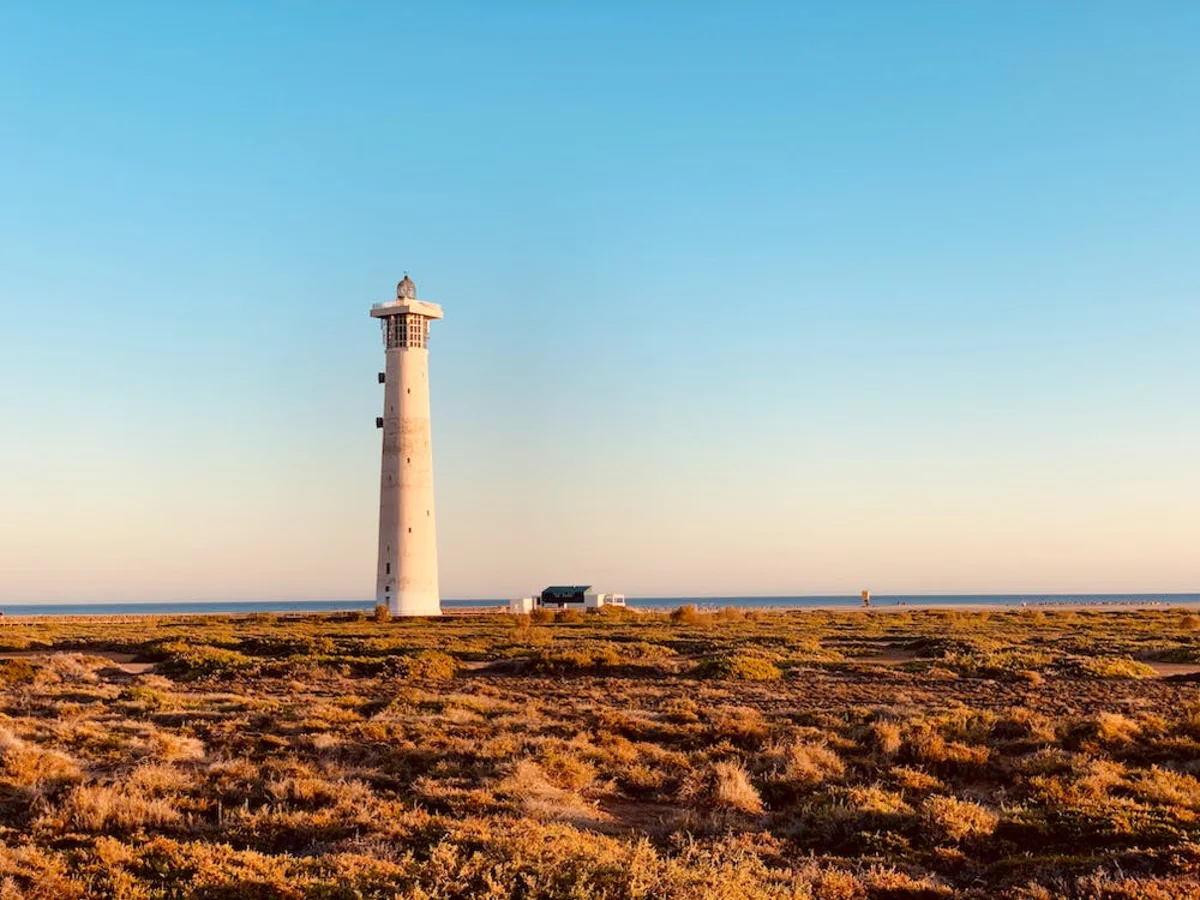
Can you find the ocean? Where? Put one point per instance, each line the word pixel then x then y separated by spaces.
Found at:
pixel 176 608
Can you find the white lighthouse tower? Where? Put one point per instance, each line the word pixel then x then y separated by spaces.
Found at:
pixel 407 577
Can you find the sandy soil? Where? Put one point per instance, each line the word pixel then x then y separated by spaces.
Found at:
pixel 126 662
pixel 893 657
pixel 1173 670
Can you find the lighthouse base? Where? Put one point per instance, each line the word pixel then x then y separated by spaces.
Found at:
pixel 415 603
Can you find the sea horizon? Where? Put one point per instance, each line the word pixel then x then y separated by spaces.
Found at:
pixel 807 601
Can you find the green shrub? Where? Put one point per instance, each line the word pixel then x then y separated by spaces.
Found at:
pixel 564 769
pixel 688 615
pixel 145 697
pixel 427 665
pixel 577 658
pixel 16 671
pixel 1002 664
pixel 598 655
pixel 738 667
pixel 198 661
pixel 1186 654
pixel 1113 667
pixel 382 613
pixel 682 710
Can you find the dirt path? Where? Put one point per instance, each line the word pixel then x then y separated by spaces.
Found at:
pixel 893 657
pixel 1173 670
pixel 123 661
pixel 887 658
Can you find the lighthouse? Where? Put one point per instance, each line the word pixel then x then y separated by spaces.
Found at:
pixel 406 580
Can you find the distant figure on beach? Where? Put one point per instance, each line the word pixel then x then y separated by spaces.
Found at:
pixel 866 598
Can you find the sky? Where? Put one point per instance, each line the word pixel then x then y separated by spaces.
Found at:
pixel 741 299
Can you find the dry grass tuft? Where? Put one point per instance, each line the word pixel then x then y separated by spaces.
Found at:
pixel 170 747
pixel 916 780
pixel 155 779
pixel 565 770
pixel 954 820
pixel 102 809
pixel 27 765
pixel 732 789
pixel 808 763
pixel 542 799
pixel 1166 788
pixel 877 800
pixel 928 746
pixel 1114 728
pixel 886 737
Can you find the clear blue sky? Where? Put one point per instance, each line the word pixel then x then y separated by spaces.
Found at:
pixel 740 298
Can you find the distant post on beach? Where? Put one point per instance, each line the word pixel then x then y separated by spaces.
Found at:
pixel 866 599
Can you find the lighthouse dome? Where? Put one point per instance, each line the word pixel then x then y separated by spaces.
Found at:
pixel 406 290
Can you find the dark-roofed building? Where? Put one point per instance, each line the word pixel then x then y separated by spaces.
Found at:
pixel 561 596
pixel 564 595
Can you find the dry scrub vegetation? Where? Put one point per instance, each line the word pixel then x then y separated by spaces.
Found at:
pixel 846 756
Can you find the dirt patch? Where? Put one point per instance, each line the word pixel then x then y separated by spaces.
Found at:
pixel 1174 670
pixel 639 818
pixel 126 662
pixel 886 658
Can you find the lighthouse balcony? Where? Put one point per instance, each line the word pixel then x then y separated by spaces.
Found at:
pixel 405 307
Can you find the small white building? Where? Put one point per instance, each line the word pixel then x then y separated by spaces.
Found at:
pixel 595 601
pixel 522 605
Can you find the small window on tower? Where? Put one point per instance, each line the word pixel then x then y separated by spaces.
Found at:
pixel 387 569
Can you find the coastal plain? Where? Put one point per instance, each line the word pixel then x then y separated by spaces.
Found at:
pixel 1017 753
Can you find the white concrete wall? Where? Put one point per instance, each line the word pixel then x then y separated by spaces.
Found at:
pixel 598 599
pixel 407 577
